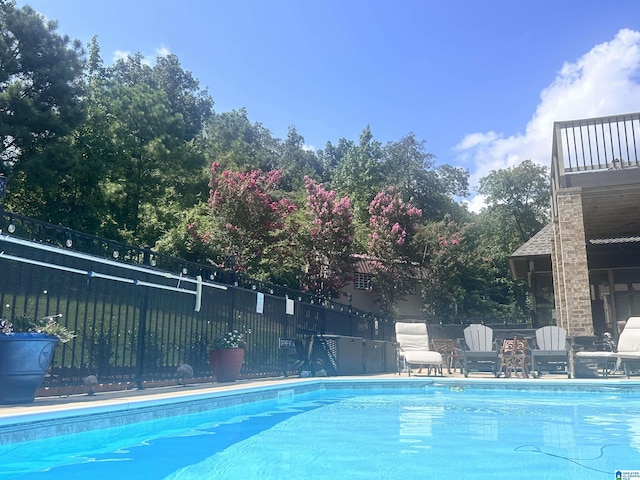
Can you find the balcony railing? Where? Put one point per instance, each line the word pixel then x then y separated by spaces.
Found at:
pixel 594 144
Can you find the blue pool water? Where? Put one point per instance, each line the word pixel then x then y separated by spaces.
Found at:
pixel 434 432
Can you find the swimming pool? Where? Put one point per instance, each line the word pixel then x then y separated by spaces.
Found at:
pixel 405 429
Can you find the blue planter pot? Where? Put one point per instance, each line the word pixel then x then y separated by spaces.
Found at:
pixel 24 361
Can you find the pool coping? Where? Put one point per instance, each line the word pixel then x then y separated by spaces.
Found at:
pixel 45 418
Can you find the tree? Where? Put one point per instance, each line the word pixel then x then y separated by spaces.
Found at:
pixel 40 103
pixel 517 208
pixel 191 237
pixel 249 221
pixel 327 242
pixel 296 162
pixel 234 143
pixel 40 82
pixel 145 120
pixel 410 168
pixel 393 224
pixel 332 156
pixel 359 174
pixel 520 196
pixel 457 282
pixel 184 95
pixel 143 154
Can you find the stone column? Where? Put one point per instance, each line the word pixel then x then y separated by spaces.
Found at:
pixel 558 277
pixel 570 269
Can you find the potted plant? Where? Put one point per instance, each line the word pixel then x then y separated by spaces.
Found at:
pixel 227 355
pixel 25 356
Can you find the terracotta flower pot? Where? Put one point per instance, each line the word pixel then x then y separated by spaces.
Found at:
pixel 226 363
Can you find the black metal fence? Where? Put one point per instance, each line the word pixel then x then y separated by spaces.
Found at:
pixel 136 321
pixel 604 143
pixel 139 315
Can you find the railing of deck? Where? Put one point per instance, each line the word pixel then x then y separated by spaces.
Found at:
pixel 593 144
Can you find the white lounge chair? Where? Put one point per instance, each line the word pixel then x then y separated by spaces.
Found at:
pixel 627 351
pixel 552 351
pixel 413 348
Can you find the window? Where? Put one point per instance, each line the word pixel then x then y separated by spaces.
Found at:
pixel 363 281
pixel 409 285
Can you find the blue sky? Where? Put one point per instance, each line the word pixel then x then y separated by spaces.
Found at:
pixel 480 81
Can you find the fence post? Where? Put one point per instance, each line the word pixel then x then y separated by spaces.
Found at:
pixel 142 326
pixel 234 285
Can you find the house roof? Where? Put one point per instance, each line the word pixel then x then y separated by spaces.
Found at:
pixel 364 264
pixel 539 244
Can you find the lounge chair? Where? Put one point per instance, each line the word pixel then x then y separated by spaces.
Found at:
pixel 478 350
pixel 587 362
pixel 552 351
pixel 628 351
pixel 413 348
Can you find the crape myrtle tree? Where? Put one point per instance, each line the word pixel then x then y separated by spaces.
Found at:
pixel 393 225
pixel 441 282
pixel 326 243
pixel 250 221
pixel 457 283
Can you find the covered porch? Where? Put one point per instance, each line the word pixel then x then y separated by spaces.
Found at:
pixel 583 269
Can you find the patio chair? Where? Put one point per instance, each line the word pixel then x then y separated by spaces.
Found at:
pixel 587 362
pixel 628 351
pixel 552 352
pixel 478 350
pixel 413 348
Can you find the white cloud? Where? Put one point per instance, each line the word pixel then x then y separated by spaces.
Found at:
pixel 308 148
pixel 121 55
pixel 476 203
pixel 476 139
pixel 604 81
pixel 163 51
pixel 147 59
